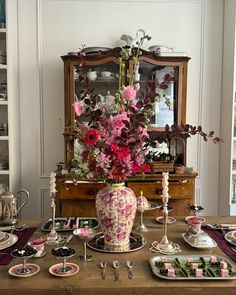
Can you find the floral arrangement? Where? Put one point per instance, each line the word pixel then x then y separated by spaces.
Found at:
pixel 113 145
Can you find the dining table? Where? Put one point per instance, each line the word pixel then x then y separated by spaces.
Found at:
pixel 89 279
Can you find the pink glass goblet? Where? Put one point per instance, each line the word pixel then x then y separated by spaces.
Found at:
pixel 86 235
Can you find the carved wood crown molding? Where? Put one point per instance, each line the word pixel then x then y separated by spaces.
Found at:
pixel 116 52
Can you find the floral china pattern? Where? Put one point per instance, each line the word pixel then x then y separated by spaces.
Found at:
pixel 116 209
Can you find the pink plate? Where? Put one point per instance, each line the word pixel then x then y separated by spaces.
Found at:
pixel 170 219
pixel 74 269
pixel 34 269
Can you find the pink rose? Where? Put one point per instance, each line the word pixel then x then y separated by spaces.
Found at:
pixel 79 108
pixel 129 93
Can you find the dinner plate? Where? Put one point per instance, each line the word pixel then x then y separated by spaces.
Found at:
pixel 2 235
pixel 5 239
pixel 230 238
pixel 13 239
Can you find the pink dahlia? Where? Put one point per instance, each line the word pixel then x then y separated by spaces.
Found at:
pixel 91 136
pixel 129 93
pixel 79 108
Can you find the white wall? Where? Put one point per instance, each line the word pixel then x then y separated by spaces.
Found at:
pixel 51 28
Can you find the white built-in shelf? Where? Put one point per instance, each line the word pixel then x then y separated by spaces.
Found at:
pixel 4 172
pixel 3 67
pixel 4 137
pixel 234 138
pixel 3 102
pixel 233 172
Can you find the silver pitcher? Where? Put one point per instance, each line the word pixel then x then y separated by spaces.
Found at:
pixel 8 207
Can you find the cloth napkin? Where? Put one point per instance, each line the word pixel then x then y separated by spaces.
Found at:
pixel 218 237
pixel 23 237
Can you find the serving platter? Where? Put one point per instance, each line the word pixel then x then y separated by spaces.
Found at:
pixel 211 271
pixel 64 224
pixel 137 242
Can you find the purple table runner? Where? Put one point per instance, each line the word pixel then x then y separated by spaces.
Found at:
pixel 23 237
pixel 218 237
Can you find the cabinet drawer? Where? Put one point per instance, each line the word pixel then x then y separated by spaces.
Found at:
pixel 86 191
pixel 153 190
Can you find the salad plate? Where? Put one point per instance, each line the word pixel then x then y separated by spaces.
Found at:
pixel 11 241
pixel 229 236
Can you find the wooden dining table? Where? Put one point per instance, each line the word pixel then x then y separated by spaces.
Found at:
pixel 89 278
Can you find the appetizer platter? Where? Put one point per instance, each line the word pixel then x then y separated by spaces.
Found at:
pixel 196 267
pixel 70 223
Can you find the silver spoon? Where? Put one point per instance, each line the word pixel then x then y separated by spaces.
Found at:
pixel 116 266
pixel 130 265
pixel 103 266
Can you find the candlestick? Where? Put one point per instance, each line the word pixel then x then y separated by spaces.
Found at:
pixel 165 244
pixel 53 237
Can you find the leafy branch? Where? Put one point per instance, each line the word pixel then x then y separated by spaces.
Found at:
pixel 183 131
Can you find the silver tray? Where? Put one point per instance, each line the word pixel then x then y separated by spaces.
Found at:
pixel 156 269
pixel 137 242
pixel 62 220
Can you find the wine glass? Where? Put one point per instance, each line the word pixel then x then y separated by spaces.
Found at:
pixel 85 234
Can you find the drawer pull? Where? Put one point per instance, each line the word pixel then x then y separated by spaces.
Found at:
pixel 91 192
pixel 159 191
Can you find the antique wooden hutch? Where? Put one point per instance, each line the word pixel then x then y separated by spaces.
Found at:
pixel 78 200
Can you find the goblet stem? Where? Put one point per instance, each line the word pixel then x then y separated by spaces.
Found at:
pixel 24 265
pixel 141 220
pixel 64 265
pixel 85 250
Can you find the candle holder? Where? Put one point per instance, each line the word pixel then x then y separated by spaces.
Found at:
pixel 165 246
pixel 53 237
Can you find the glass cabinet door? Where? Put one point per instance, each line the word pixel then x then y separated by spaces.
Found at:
pixel 96 84
pixel 161 82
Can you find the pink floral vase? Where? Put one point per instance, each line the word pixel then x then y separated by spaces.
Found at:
pixel 116 209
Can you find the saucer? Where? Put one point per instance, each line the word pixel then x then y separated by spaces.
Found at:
pixel 156 248
pixel 170 220
pixel 39 256
pixel 13 271
pixel 202 241
pixel 74 269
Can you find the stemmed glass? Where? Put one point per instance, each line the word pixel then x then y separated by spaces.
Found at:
pixel 65 253
pixel 86 235
pixel 24 253
pixel 142 227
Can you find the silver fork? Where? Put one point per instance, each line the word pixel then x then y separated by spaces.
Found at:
pixel 130 265
pixel 116 266
pixel 103 266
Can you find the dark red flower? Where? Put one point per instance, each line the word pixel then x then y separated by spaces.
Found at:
pixel 91 136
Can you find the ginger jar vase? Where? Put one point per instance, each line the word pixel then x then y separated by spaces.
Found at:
pixel 116 209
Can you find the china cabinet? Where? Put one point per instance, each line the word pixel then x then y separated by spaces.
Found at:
pixel 96 72
pixel 165 77
pixel 9 105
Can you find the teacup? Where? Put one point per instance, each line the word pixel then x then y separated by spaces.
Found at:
pixel 195 224
pixel 105 74
pixel 38 244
